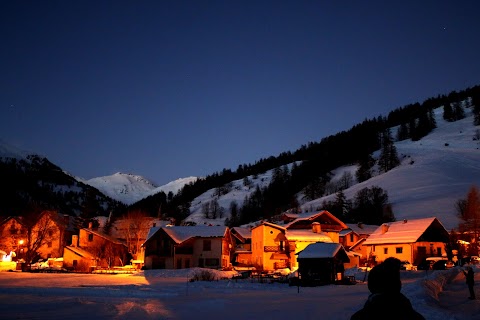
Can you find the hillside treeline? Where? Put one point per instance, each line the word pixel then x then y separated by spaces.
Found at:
pixel 313 162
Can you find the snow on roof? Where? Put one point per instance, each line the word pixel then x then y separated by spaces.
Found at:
pixel 320 250
pixel 273 225
pixel 307 235
pixel 362 228
pixel 313 216
pixel 182 233
pixel 80 252
pixel 245 233
pixel 151 232
pixel 353 246
pixel 405 231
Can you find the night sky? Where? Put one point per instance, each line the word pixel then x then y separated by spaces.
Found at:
pixel 170 89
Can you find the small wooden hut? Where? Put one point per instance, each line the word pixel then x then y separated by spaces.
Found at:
pixel 321 263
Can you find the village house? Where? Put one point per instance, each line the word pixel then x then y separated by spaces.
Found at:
pixel 352 240
pixel 274 246
pixel 95 249
pixel 180 247
pixel 58 230
pixel 408 240
pixel 242 254
pixel 49 234
pixel 13 236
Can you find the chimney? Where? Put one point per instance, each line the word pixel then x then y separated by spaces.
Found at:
pixel 154 224
pixel 384 228
pixel 360 225
pixel 90 224
pixel 405 220
pixel 74 240
pixel 316 227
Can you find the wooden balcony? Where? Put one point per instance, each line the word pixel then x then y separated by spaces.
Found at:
pixel 284 249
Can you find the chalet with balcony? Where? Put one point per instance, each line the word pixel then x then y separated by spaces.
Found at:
pixel 275 247
pixel 410 240
pixel 242 254
pixel 180 247
pixel 328 223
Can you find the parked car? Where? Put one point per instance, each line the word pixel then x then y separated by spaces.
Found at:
pixel 440 265
pixel 429 263
pixel 449 264
pixel 405 265
pixel 424 265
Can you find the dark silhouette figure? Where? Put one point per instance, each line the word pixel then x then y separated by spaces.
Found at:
pixel 386 301
pixel 470 281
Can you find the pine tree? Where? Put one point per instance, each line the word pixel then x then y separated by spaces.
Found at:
pixel 448 112
pixel 458 112
pixel 402 132
pixel 476 109
pixel 388 157
pixel 364 171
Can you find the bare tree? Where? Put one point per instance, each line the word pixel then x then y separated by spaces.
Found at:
pixel 471 216
pixel 40 232
pixel 136 225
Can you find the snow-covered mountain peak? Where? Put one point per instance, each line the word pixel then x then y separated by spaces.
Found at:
pixel 130 188
pixel 126 188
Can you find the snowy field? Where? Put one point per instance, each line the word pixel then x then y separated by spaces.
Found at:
pixel 167 294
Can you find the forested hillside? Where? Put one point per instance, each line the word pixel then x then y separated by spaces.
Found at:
pixel 313 162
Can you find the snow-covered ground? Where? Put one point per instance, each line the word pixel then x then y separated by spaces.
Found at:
pixel 167 294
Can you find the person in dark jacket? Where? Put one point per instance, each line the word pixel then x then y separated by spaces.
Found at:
pixel 470 277
pixel 386 301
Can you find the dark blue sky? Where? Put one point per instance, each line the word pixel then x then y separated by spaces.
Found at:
pixel 169 89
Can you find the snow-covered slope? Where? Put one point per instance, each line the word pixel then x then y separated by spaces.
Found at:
pixel 434 173
pixel 126 188
pixel 129 188
pixel 173 186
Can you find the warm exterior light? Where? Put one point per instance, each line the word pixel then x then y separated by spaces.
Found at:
pixel 20 242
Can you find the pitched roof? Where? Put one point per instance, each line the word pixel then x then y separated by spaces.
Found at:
pixel 105 236
pixel 307 235
pixel 321 250
pixel 273 225
pixel 313 216
pixel 406 231
pixel 180 234
pixel 81 252
pixel 362 228
pixel 244 233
